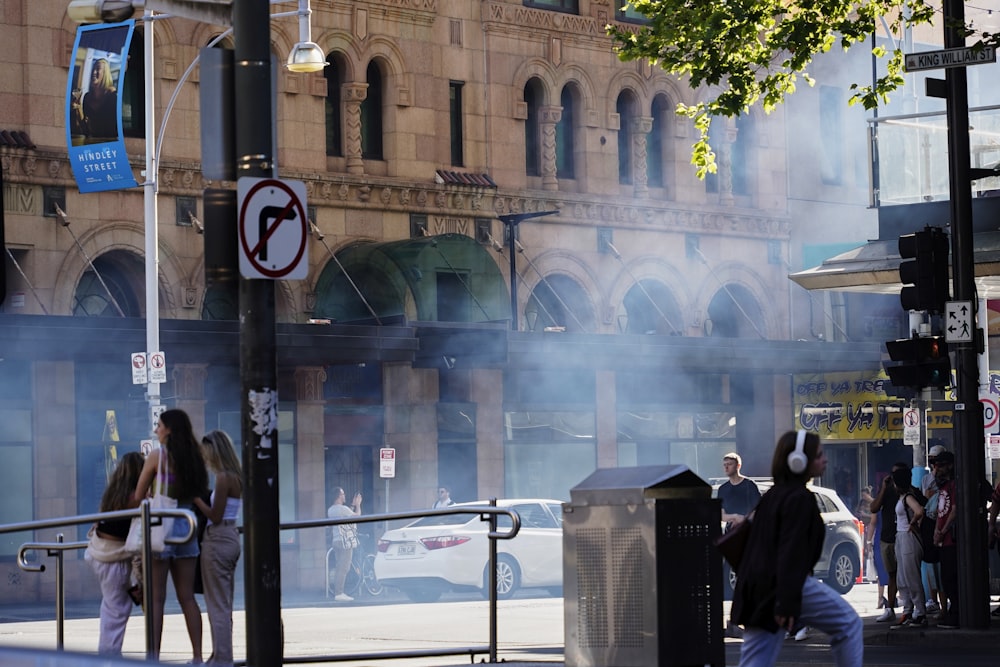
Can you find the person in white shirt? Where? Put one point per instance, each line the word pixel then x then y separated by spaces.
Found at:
pixel 345 539
pixel 444 498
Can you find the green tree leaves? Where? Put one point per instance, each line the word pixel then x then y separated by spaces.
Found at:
pixel 754 52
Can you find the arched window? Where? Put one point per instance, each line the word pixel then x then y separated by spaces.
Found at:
pixel 559 301
pixel 565 134
pixel 134 89
pixel 742 155
pixel 625 106
pixel 334 74
pixel 532 137
pixel 107 289
pixel 371 115
pixel 658 144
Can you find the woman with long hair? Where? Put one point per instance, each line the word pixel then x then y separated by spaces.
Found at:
pixel 185 479
pixel 220 547
pixel 107 555
pixel 775 590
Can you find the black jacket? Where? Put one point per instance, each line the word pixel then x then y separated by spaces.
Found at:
pixel 786 540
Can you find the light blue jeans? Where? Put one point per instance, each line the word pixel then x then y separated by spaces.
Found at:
pixel 823 609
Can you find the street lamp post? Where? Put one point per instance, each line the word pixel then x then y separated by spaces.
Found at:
pixel 511 221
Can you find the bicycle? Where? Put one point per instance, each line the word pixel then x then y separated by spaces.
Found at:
pixel 361 579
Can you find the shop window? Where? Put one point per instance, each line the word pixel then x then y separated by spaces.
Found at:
pixel 16 447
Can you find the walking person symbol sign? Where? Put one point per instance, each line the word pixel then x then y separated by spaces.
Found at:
pixel 273 228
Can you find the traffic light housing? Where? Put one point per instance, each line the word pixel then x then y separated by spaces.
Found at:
pixel 924 270
pixel 920 362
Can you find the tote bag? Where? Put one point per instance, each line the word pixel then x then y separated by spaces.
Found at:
pixel 160 500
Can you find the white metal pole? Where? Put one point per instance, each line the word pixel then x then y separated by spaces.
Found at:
pixel 151 222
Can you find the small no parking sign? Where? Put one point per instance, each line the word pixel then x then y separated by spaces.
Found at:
pixel 387 462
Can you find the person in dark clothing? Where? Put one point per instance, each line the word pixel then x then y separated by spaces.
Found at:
pixel 885 505
pixel 775 589
pixel 738 494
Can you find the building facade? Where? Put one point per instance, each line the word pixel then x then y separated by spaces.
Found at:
pixel 654 317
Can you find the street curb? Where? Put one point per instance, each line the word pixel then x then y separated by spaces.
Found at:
pixel 880 634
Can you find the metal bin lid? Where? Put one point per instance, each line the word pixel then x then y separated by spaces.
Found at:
pixel 635 485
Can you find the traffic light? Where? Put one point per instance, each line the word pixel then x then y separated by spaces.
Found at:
pixel 921 362
pixel 924 271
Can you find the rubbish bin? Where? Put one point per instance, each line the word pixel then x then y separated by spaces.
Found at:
pixel 641 578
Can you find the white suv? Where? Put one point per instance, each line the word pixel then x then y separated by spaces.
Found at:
pixel 839 564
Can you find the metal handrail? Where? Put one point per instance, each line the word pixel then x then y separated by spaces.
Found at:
pixel 149 515
pixel 486 513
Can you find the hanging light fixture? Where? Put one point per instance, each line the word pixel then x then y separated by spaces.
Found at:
pixel 306 56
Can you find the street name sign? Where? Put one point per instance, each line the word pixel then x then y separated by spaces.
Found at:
pixel 969 55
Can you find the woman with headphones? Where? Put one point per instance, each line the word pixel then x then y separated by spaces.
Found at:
pixel 775 589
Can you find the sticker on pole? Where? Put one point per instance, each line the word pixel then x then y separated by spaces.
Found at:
pixel 273 229
pixel 387 462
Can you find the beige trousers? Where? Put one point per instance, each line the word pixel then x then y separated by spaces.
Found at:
pixel 220 549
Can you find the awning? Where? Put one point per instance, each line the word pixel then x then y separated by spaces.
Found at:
pixel 874 268
pixel 445 278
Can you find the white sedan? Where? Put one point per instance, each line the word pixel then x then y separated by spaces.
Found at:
pixel 451 552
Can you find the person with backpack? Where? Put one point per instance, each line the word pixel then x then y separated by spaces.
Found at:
pixel 909 552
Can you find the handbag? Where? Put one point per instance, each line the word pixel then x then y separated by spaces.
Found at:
pixel 733 542
pixel 160 500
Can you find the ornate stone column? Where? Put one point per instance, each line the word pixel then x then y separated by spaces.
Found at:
pixel 353 95
pixel 549 117
pixel 641 127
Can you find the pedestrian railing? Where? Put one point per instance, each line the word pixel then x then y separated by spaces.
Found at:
pixel 152 517
pixel 145 512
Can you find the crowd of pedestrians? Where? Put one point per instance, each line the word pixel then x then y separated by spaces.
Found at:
pixel 177 469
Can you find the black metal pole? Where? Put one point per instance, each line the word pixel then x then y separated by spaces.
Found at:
pixel 970 466
pixel 511 221
pixel 258 364
pixel 512 250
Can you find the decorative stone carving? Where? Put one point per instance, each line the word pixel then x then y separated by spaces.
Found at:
pixel 309 383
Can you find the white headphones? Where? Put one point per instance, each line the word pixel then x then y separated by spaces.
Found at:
pixel 797 459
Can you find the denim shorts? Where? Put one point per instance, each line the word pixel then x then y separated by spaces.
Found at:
pixel 188 549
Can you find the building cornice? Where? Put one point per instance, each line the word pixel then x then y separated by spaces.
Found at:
pixel 364 192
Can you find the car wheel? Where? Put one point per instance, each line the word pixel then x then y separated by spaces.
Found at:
pixel 843 570
pixel 508 578
pixel 369 581
pixel 423 594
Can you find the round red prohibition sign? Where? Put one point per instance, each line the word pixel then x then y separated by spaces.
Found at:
pixel 990 412
pixel 290 212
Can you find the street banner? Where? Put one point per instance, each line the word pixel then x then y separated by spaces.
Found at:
pixel 94 107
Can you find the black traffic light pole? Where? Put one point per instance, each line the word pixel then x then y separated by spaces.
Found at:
pixel 967 425
pixel 258 362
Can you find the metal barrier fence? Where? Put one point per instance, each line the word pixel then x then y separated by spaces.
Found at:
pixel 151 516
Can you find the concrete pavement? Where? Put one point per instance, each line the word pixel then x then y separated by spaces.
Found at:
pixel 316 627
